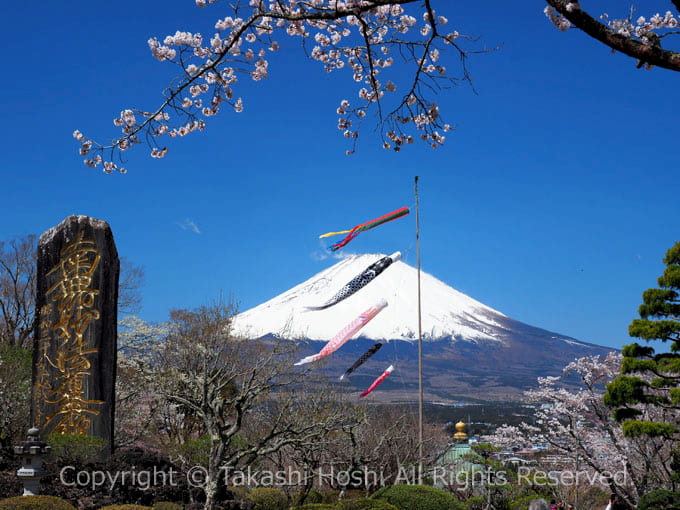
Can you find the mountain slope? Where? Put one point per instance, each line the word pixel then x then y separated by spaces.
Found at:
pixel 470 349
pixel 446 312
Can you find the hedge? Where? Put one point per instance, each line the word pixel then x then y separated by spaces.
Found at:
pixel 315 506
pixel 422 497
pixel 268 498
pixel 311 498
pixel 333 497
pixel 167 505
pixel 35 503
pixel 239 491
pixel 364 504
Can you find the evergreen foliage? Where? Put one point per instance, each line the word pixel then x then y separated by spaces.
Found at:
pixel 349 504
pixel 660 500
pixel 476 503
pixel 646 396
pixel 268 498
pixel 422 497
pixel 330 497
pixel 364 504
pixel 35 503
pixel 310 498
pixel 167 505
pixel 75 448
pixel 239 491
pixel 315 506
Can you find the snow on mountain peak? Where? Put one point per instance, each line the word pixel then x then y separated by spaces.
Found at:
pixel 445 311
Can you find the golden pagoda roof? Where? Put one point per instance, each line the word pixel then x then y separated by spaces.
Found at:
pixel 460 434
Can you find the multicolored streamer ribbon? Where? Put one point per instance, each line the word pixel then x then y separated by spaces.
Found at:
pixel 346 333
pixel 351 234
pixel 370 352
pixel 377 382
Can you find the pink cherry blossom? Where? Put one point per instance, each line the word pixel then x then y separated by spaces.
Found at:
pixel 368 37
pixel 572 420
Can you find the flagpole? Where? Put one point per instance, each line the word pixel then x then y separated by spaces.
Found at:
pixel 420 346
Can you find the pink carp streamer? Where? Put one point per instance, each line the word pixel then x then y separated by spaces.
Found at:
pixel 377 382
pixel 345 333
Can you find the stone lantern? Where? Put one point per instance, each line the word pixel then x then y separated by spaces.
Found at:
pixel 32 452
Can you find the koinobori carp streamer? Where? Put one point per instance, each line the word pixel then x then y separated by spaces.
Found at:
pixel 377 382
pixel 360 281
pixel 346 333
pixel 362 359
pixel 351 234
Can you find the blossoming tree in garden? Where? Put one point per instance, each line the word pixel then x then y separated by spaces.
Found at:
pixel 574 422
pixel 642 36
pixel 370 42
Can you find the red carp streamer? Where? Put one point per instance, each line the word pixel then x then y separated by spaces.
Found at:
pixel 377 382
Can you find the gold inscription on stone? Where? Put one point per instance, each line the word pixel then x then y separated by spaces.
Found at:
pixel 61 380
pixel 42 386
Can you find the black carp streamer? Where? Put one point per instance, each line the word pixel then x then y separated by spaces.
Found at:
pixel 364 357
pixel 359 282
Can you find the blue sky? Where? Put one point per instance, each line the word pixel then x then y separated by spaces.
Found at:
pixel 553 201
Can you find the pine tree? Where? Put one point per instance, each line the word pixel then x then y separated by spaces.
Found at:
pixel 646 396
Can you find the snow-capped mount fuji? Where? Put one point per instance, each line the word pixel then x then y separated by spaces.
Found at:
pixel 470 349
pixel 445 311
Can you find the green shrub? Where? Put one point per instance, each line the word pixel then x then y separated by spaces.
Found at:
pixel 311 498
pixel 315 506
pixel 479 503
pixel 660 500
pixel 422 497
pixel 364 504
pixel 268 498
pixel 195 451
pixel 239 491
pixel 166 505
pixel 314 497
pixel 353 494
pixel 35 503
pixel 330 497
pixel 125 507
pixel 75 448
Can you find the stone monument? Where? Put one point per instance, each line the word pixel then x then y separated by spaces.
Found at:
pixel 74 354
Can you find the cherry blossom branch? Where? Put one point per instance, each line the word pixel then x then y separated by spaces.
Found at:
pixel 639 40
pixel 370 29
pixel 576 423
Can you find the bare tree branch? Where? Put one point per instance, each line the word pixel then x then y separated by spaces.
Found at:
pixel 17 290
